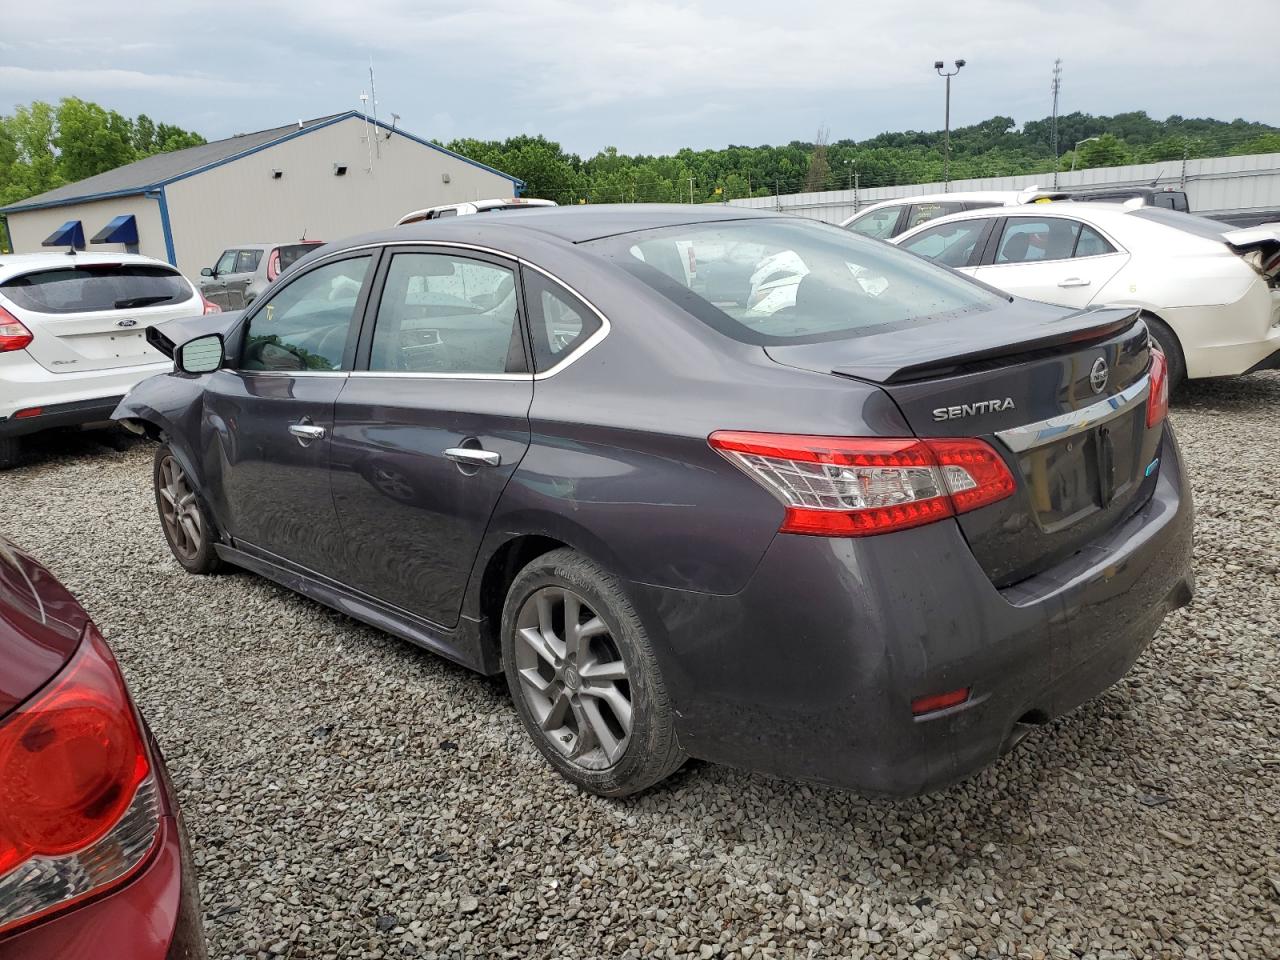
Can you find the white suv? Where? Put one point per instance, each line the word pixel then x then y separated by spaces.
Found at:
pixel 73 335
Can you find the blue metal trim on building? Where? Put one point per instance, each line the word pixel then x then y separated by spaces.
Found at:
pixel 166 228
pixel 88 198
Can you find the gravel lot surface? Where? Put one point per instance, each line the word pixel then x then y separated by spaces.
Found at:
pixel 352 796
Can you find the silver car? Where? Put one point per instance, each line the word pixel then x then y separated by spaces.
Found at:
pixel 243 271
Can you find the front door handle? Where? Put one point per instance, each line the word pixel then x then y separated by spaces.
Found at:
pixel 1074 282
pixel 306 432
pixel 471 457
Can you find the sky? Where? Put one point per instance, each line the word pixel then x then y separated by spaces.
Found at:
pixel 643 77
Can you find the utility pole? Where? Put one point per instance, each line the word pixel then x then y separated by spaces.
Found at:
pixel 690 189
pixel 946 141
pixel 1056 86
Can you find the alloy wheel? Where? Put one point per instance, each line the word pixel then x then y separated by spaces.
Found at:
pixel 179 510
pixel 573 678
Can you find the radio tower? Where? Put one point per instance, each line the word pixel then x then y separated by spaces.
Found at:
pixel 1056 86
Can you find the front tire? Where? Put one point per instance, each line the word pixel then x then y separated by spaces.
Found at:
pixel 188 527
pixel 584 678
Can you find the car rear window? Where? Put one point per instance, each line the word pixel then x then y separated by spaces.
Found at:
pixel 784 281
pixel 89 288
pixel 1186 222
pixel 293 253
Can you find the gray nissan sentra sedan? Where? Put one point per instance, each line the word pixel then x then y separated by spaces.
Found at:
pixel 702 482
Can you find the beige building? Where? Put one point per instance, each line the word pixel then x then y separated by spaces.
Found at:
pixel 319 180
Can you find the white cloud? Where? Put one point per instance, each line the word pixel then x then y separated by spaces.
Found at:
pixel 85 82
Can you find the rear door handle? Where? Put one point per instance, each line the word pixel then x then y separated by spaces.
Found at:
pixel 1074 282
pixel 471 457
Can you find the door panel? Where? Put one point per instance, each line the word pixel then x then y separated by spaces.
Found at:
pixel 413 519
pixel 214 288
pixel 426 440
pixel 273 486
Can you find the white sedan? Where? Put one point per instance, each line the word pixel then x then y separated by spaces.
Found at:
pixel 1210 294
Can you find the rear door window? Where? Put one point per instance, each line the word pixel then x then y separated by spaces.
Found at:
pixel 1029 240
pixel 442 314
pixel 951 244
pixel 247 261
pixel 304 326
pixel 878 224
pixel 924 212
pixel 91 288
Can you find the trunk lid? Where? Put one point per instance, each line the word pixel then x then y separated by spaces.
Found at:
pixel 1260 248
pixel 94 316
pixel 1061 398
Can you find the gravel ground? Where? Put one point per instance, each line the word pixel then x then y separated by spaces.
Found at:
pixel 352 796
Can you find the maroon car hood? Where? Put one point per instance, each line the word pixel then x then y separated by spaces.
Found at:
pixel 40 626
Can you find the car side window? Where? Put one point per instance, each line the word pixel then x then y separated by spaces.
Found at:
pixel 247 261
pixel 1092 243
pixel 924 212
pixel 1029 240
pixel 226 262
pixel 449 315
pixel 951 244
pixel 559 322
pixel 304 325
pixel 878 224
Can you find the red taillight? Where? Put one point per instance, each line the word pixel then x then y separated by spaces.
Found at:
pixel 77 800
pixel 13 335
pixel 939 701
pixel 856 486
pixel 1158 400
pixel 209 307
pixel 28 413
pixel 273 266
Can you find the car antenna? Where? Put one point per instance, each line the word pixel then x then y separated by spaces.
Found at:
pixel 1157 179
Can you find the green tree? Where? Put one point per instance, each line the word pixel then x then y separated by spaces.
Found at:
pixel 1107 151
pixel 91 140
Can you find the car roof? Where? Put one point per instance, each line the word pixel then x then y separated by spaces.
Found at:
pixel 939 197
pixel 576 224
pixel 14 264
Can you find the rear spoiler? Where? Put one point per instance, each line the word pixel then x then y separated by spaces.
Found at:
pixel 1259 246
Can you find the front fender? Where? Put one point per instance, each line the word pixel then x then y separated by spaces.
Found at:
pixel 167 408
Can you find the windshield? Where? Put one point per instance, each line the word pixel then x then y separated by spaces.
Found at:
pixel 93 287
pixel 787 280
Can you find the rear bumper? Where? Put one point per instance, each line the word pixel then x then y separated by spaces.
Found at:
pixel 809 673
pixel 1231 339
pixel 60 415
pixel 155 916
pixel 25 384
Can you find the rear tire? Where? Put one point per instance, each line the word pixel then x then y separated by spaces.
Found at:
pixel 188 526
pixel 1167 341
pixel 10 452
pixel 584 678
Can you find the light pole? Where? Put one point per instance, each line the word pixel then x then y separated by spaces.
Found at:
pixel 1077 147
pixel 946 156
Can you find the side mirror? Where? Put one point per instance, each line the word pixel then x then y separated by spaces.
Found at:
pixel 201 355
pixel 207 272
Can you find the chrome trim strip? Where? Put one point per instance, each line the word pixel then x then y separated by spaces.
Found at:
pixel 1032 435
pixel 288 373
pixel 410 375
pixel 590 343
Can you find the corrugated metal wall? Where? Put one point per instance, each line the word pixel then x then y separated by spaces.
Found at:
pixel 1215 185
pixel 240 202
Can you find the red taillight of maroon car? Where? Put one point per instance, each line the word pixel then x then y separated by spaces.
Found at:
pixel 1158 400
pixel 860 486
pixel 79 808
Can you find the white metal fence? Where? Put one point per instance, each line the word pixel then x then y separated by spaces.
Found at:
pixel 1215 185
